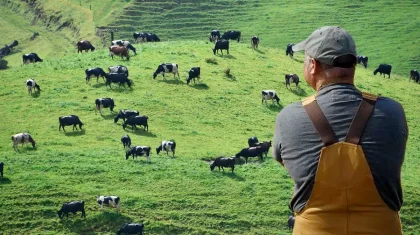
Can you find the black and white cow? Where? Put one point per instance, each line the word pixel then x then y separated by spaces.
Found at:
pixel 68 121
pixel 22 138
pixel 383 69
pixel 252 141
pixel 269 95
pixel 166 68
pixel 136 120
pixel 31 58
pixel 118 69
pixel 138 151
pixel 214 35
pixel 254 42
pixel 124 43
pixel 223 162
pixel 251 152
pixel 119 78
pixel 291 222
pixel 94 72
pixel 125 113
pixel 234 35
pixel 126 141
pixel 101 103
pixel 168 146
pixel 361 59
pixel 131 229
pixel 1 169
pixel 192 74
pixel 31 84
pixel 291 78
pixel 414 75
pixel 221 45
pixel 111 201
pixel 72 207
pixel 289 50
pixel 140 37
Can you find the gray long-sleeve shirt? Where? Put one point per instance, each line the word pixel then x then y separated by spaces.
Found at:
pixel 298 145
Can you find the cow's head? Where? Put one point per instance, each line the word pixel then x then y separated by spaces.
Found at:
pixel 154 75
pixel 212 167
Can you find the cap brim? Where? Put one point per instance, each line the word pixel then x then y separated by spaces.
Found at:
pixel 299 47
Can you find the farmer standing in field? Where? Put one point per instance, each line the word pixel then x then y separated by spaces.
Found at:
pixel 343 148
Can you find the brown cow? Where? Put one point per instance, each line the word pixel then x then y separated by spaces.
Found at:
pixel 84 45
pixel 119 50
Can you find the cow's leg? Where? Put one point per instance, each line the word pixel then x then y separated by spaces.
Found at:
pixel 228 51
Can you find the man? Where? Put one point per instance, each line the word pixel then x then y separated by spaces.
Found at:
pixel 346 167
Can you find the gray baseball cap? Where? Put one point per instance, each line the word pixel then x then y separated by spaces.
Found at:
pixel 327 43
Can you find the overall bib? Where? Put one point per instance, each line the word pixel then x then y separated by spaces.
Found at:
pixel 344 199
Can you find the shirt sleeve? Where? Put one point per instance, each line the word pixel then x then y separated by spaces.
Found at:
pixel 277 141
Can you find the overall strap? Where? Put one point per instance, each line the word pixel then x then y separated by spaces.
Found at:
pixel 319 120
pixel 361 118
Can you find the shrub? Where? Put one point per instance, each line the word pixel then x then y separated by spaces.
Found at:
pixel 211 61
pixel 3 64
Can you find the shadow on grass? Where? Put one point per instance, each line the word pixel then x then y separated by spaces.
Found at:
pixel 200 86
pixel 109 116
pixel 75 133
pixel 140 131
pixel 228 57
pixel 259 51
pixel 172 81
pixel 233 176
pixel 299 91
pixel 122 89
pixel 275 107
pixel 5 181
pixel 230 77
pixel 36 94
pixel 98 85
pixel 300 61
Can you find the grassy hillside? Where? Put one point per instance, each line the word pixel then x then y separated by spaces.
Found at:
pixel 170 195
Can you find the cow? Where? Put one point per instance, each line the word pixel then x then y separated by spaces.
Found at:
pixel 140 37
pixel 1 169
pixel 84 46
pixel 31 84
pixel 101 103
pixel 168 146
pixel 124 43
pixel 250 152
pixel 221 45
pixel 414 75
pixel 72 207
pixel 31 58
pixel 151 37
pixel 265 145
pixel 192 74
pixel 125 113
pixel 234 35
pixel 252 142
pixel 22 138
pixel 289 50
pixel 361 59
pixel 383 69
pixel 269 95
pixel 119 78
pixel 291 222
pixel 126 141
pixel 166 68
pixel 291 78
pixel 94 72
pixel 131 229
pixel 120 51
pixel 254 42
pixel 118 69
pixel 223 162
pixel 137 120
pixel 139 151
pixel 111 201
pixel 214 35
pixel 68 121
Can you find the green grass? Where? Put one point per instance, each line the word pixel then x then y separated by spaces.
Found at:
pixel 170 195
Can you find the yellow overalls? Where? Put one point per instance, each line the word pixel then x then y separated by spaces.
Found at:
pixel 344 199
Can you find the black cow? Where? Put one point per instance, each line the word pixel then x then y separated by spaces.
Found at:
pixel 291 222
pixel 68 121
pixel 291 78
pixel 289 50
pixel 117 78
pixel 166 68
pixel 269 95
pixel 168 146
pixel 414 75
pixel 234 35
pixel 192 74
pixel 125 113
pixel 31 58
pixel 139 151
pixel 72 207
pixel 383 69
pixel 94 72
pixel 250 152
pixel 137 120
pixel 214 35
pixel 253 141
pixel 84 46
pixel 126 141
pixel 223 162
pixel 131 229
pixel 124 43
pixel 152 37
pixel 145 37
pixel 118 69
pixel 101 103
pixel 361 59
pixel 1 169
pixel 265 145
pixel 254 42
pixel 221 45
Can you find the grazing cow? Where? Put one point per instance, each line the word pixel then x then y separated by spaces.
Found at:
pixel 94 72
pixel 118 69
pixel 291 78
pixel 234 35
pixel 214 35
pixel 166 68
pixel 111 201
pixel 22 138
pixel 84 45
pixel 291 222
pixel 361 59
pixel 31 58
pixel 101 103
pixel 254 42
pixel 289 50
pixel 168 146
pixel 119 78
pixel 139 151
pixel 251 152
pixel 126 141
pixel 131 229
pixel 192 74
pixel 414 74
pixel 120 51
pixel 223 162
pixel 68 121
pixel 252 142
pixel 265 145
pixel 151 37
pixel 125 113
pixel 269 95
pixel 383 69
pixel 221 45
pixel 136 120
pixel 72 207
pixel 140 37
pixel 31 84
pixel 1 169
pixel 124 43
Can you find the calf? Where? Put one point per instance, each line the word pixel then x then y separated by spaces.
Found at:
pixel 168 146
pixel 118 69
pixel 120 51
pixel 72 207
pixel 221 45
pixel 94 72
pixel 291 78
pixel 250 152
pixel 361 59
pixel 124 43
pixel 223 162
pixel 166 68
pixel 234 35
pixel 68 121
pixel 214 35
pixel 131 229
pixel 1 169
pixel 137 120
pixel 31 58
pixel 269 95
pixel 252 141
pixel 84 46
pixel 254 42
pixel 111 201
pixel 383 69
pixel 121 79
pixel 125 113
pixel 414 75
pixel 291 222
pixel 101 103
pixel 289 50
pixel 31 84
pixel 265 146
pixel 192 74
pixel 22 138
pixel 126 141
pixel 139 151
